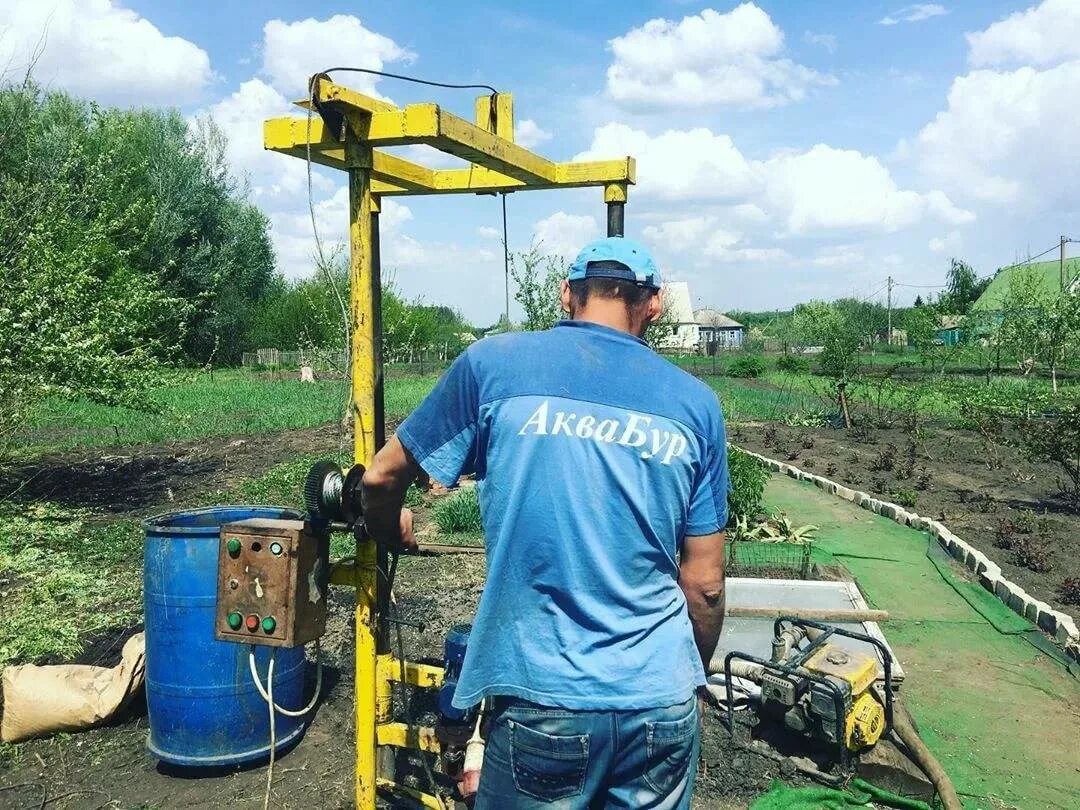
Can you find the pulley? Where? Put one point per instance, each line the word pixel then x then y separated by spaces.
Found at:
pixel 333 495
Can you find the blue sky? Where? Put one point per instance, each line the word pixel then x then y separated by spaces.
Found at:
pixel 785 150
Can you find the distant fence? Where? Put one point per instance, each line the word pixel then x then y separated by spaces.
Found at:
pixel 421 362
pixel 278 358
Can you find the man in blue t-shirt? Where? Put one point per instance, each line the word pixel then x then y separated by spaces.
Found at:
pixel 602 475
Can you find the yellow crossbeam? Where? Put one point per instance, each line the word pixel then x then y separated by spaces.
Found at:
pixel 394 176
pixel 328 92
pixel 381 123
pixel 424 675
pixel 401 735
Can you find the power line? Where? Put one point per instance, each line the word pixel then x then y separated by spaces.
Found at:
pixel 875 292
pixel 412 79
pixel 1030 259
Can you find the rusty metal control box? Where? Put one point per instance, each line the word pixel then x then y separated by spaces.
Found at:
pixel 272 582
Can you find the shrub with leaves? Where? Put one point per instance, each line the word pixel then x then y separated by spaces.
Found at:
pixel 1032 555
pixel 748 478
pixel 906 498
pixel 1069 590
pixel 747 366
pixel 793 364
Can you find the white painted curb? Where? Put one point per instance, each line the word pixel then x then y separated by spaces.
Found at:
pixel 1059 625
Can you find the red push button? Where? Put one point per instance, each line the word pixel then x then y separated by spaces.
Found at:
pixel 252 622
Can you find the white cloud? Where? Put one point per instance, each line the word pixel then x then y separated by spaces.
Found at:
pixel 97 49
pixel 675 235
pixel 565 234
pixel 488 232
pixel 707 59
pixel 677 164
pixel 839 256
pixel 915 13
pixel 826 41
pixel 294 242
pixel 1002 138
pixel 708 237
pixel 240 117
pixel 821 189
pixel 529 134
pixel 950 243
pixel 1041 35
pixel 292 52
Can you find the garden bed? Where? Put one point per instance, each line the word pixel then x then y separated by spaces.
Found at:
pixel 986 492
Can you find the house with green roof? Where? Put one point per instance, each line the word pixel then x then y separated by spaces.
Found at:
pixel 1046 274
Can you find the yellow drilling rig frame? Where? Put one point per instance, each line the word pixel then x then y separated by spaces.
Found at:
pixel 343 130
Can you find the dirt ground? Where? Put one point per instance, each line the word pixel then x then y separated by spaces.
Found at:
pixel 110 768
pixel 984 491
pixel 142 479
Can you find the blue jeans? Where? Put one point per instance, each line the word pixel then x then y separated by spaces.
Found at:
pixel 543 757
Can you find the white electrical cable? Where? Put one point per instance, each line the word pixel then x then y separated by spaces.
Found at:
pixel 273 730
pixel 267 694
pixel 266 697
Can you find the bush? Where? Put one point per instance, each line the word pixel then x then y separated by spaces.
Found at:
pixel 746 366
pixel 793 364
pixel 1033 556
pixel 1069 591
pixel 748 479
pixel 460 513
pixel 906 498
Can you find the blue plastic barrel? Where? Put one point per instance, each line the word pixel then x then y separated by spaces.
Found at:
pixel 204 707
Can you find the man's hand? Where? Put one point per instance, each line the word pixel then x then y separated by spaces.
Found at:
pixel 408 538
pixel 385 482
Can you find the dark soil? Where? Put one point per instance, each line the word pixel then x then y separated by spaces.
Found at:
pixel 109 767
pixel 986 492
pixel 137 480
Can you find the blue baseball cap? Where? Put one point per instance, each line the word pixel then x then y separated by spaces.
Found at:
pixel 616 257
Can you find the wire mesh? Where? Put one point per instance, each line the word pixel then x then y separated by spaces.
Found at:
pixel 750 558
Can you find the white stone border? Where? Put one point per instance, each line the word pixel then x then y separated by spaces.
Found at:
pixel 1059 625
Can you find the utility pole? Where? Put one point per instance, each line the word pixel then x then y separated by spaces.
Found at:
pixel 1064 239
pixel 888 339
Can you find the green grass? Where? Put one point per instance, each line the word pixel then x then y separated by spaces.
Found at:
pixel 67 574
pixel 743 402
pixel 64 576
pixel 195 405
pixel 780 395
pixel 459 513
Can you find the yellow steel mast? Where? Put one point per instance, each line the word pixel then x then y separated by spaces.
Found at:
pixel 342 131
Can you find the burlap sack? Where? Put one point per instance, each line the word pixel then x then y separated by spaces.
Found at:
pixel 69 697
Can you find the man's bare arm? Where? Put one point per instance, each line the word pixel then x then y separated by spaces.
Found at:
pixel 701 577
pixel 385 483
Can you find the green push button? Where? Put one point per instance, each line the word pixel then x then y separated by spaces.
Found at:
pixel 233 547
pixel 268 624
pixel 235 620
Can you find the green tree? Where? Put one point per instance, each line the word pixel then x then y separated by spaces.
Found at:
pixel 538 276
pixel 920 323
pixel 839 328
pixel 963 288
pixel 124 246
pixel 78 315
pixel 1021 315
pixel 1060 332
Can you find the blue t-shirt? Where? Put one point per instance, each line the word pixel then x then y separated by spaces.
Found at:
pixel 594 457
